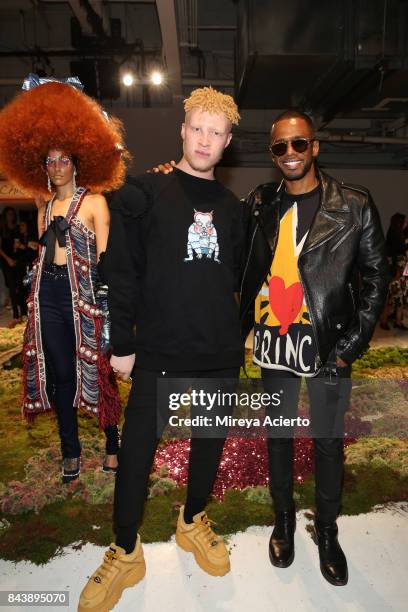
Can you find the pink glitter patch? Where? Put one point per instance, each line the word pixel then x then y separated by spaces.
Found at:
pixel 244 462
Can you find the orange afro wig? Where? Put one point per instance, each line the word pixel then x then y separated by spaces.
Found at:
pixel 58 116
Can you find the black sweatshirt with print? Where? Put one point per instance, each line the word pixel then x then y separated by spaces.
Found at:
pixel 172 265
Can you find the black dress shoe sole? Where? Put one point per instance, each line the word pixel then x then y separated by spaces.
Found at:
pixel 281 564
pixel 332 580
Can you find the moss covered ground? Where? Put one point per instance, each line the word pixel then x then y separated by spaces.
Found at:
pixel 39 516
pixel 39 536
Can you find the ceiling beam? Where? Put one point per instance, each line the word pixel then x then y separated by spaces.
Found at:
pixel 124 51
pixel 81 14
pixel 168 25
pixel 91 14
pixel 101 10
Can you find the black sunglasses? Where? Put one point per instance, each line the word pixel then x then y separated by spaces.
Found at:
pixel 298 144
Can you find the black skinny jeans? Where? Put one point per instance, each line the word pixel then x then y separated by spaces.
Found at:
pixel 58 337
pixel 328 404
pixel 141 433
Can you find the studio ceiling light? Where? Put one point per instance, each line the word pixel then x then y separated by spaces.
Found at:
pixel 128 79
pixel 157 78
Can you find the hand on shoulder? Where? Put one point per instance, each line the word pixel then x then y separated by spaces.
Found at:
pixel 164 168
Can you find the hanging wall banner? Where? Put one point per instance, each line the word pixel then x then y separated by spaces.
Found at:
pixel 8 191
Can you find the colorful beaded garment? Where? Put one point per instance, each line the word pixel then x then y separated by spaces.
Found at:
pixel 96 387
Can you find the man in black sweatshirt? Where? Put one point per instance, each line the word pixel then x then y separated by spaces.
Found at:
pixel 172 265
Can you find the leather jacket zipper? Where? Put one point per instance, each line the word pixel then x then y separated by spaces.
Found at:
pixel 343 238
pixel 318 361
pixel 350 286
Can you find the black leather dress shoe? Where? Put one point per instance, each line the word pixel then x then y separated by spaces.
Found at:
pixel 281 543
pixel 333 563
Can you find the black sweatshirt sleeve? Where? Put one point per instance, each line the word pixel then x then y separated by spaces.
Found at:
pixel 121 265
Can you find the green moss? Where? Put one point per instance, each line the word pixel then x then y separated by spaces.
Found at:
pixel 379 453
pixel 376 472
pixel 21 440
pixel 367 487
pixel 38 537
pixel 11 338
pixel 386 358
pixel 382 357
pixel 160 516
pixel 258 494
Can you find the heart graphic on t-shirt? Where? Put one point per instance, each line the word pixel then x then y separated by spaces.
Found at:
pixel 285 302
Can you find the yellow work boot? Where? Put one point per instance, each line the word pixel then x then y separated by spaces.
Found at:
pixel 117 572
pixel 208 549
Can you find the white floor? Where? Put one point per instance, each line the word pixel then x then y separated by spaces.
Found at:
pixel 376 545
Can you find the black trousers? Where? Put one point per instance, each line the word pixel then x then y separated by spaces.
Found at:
pixel 58 337
pixel 13 280
pixel 329 399
pixel 145 418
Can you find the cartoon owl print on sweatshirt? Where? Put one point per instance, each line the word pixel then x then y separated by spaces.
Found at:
pixel 202 238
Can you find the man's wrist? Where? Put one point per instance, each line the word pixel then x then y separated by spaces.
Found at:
pixel 123 350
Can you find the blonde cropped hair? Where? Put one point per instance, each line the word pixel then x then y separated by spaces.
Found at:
pixel 213 101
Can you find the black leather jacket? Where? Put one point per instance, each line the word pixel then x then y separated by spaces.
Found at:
pixel 342 267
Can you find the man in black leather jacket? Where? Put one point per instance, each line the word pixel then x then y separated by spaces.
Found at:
pixel 314 283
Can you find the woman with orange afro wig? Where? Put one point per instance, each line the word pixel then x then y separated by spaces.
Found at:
pixel 56 141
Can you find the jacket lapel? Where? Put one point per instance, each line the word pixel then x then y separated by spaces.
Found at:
pixel 331 217
pixel 325 226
